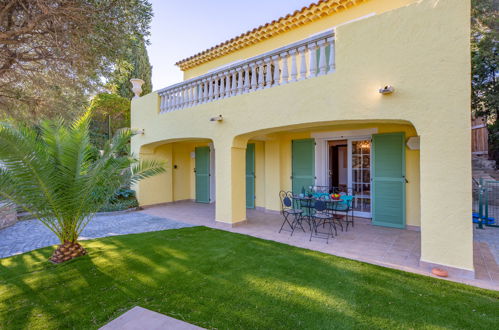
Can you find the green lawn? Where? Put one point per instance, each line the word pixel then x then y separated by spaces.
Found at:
pixel 217 279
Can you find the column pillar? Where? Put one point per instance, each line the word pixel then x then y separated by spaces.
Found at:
pixel 446 226
pixel 231 182
pixel 272 175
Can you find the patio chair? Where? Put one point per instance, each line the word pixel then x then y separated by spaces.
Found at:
pixel 343 211
pixel 322 215
pixel 292 216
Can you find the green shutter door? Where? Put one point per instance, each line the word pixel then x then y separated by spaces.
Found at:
pixel 303 164
pixel 389 180
pixel 202 174
pixel 250 176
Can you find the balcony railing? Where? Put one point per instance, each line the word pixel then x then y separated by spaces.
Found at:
pixel 301 60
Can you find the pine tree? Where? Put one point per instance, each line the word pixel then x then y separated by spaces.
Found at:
pixel 134 65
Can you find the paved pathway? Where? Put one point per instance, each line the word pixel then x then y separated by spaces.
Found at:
pixel 489 235
pixel 29 235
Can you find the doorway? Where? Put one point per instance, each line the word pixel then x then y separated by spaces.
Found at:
pixel 338 164
pixel 349 170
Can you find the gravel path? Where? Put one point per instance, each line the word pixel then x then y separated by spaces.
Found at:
pixel 29 235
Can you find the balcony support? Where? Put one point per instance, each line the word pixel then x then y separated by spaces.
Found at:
pixel 277 71
pixel 285 74
pixel 261 77
pixel 313 59
pixel 303 62
pixel 322 57
pixel 253 76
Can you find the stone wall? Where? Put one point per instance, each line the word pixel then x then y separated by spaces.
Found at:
pixel 8 215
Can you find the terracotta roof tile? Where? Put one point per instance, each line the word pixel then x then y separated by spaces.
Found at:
pixel 300 17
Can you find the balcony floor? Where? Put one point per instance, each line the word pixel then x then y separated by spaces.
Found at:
pixel 388 247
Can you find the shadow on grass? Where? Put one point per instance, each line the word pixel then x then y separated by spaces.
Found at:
pixel 217 279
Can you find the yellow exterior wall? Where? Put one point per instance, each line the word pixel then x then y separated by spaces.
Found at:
pixel 297 34
pixel 412 162
pixel 422 50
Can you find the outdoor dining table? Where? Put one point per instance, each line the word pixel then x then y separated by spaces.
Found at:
pixel 309 205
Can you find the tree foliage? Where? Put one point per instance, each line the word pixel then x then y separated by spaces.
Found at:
pixel 56 51
pixel 55 173
pixel 484 49
pixel 111 112
pixel 135 64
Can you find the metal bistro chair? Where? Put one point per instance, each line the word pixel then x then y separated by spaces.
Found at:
pixel 288 210
pixel 343 211
pixel 322 215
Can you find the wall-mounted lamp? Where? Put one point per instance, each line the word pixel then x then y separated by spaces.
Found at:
pixel 139 131
pixel 388 89
pixel 217 118
pixel 413 143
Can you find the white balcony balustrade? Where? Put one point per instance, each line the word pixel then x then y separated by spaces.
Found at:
pixel 313 56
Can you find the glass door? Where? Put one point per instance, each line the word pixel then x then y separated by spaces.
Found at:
pixel 359 178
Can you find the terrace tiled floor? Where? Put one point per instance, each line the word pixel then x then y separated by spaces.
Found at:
pixel 383 246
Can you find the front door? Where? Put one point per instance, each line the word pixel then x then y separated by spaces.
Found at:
pixel 389 180
pixel 303 165
pixel 202 174
pixel 250 176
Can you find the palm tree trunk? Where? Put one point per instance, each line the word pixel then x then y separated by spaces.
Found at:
pixel 67 251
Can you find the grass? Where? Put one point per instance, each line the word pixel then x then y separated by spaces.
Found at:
pixel 217 279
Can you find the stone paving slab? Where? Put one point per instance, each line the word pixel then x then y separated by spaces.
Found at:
pixel 30 235
pixel 139 318
pixel 489 235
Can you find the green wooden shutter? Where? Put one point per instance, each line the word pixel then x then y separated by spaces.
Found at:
pixel 389 180
pixel 202 174
pixel 303 164
pixel 250 176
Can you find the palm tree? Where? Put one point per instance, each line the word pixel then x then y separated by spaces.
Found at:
pixel 55 173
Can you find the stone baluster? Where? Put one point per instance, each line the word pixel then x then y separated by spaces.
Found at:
pixel 174 99
pixel 239 80
pixel 227 84
pixel 294 67
pixel 285 74
pixel 303 62
pixel 222 85
pixel 268 75
pixel 322 57
pixel 312 47
pixel 186 96
pixel 162 103
pixel 246 79
pixel 190 95
pixel 181 98
pixel 216 94
pixel 200 91
pixel 233 87
pixel 331 64
pixel 261 77
pixel 210 89
pixel 253 76
pixel 195 93
pixel 205 91
pixel 277 70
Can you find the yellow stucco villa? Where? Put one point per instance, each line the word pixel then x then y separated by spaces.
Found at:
pixel 372 96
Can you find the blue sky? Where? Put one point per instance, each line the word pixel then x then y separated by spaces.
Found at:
pixel 181 28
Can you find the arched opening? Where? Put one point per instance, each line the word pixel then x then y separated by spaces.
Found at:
pixel 190 174
pixel 339 157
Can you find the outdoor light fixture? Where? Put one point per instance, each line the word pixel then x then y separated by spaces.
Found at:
pixel 217 118
pixel 139 131
pixel 388 89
